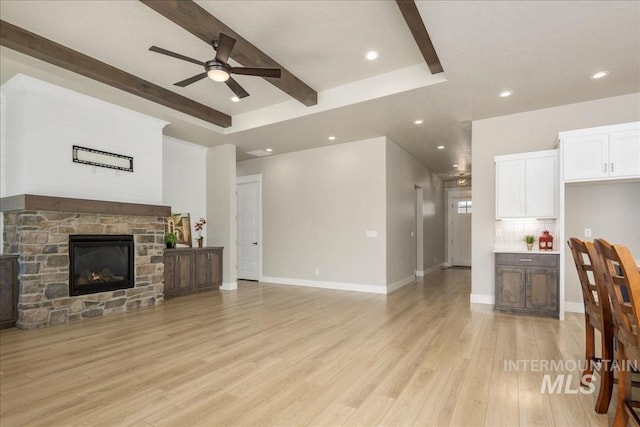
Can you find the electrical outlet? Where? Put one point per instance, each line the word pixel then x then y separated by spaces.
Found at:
pixel 317 271
pixel 587 232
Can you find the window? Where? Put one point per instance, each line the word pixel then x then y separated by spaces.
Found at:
pixel 464 206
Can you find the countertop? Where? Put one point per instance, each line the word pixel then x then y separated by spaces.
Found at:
pixel 523 251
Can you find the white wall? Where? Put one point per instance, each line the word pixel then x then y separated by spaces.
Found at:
pixel 610 210
pixel 221 208
pixel 317 207
pixel 517 133
pixel 44 121
pixel 184 180
pixel 403 172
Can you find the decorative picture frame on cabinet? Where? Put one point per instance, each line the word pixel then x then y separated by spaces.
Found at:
pixel 180 225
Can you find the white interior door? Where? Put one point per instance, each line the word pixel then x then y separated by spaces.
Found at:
pixel 249 222
pixel 461 232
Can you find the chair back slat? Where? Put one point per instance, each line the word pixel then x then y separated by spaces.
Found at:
pixel 618 271
pixel 594 294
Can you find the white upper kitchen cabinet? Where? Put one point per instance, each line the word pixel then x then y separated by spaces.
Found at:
pixel 607 152
pixel 526 185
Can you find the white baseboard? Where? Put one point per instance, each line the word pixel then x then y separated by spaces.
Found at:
pixel 434 268
pixel 574 307
pixel 481 299
pixel 229 286
pixel 355 287
pixel 447 264
pixel 400 283
pixel 431 269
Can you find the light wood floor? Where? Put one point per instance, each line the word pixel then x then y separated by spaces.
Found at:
pixel 281 355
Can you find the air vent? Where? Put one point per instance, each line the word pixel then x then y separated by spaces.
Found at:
pixel 259 153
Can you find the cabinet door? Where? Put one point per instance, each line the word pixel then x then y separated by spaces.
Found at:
pixel 542 289
pixel 202 277
pixel 215 268
pixel 208 273
pixel 510 287
pixel 177 273
pixel 184 272
pixel 510 188
pixel 540 187
pixel 624 154
pixel 585 157
pixel 170 264
pixel 8 290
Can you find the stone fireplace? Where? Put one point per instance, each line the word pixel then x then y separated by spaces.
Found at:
pixel 41 230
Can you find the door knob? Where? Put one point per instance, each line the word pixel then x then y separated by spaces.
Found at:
pixel 254 243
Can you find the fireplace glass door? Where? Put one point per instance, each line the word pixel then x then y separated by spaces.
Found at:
pixel 100 263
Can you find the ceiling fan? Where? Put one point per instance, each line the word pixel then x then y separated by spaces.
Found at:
pixel 218 68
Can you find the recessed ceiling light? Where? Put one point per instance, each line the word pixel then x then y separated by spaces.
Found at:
pixel 506 93
pixel 332 138
pixel 235 99
pixel 371 55
pixel 268 150
pixel 456 165
pixel 600 74
pixel 419 122
pixel 440 147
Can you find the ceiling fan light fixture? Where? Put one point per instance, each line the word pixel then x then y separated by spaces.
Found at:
pixel 506 93
pixel 599 75
pixel 235 99
pixel 218 74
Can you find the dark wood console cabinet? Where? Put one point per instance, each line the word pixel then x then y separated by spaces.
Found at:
pixel 191 270
pixel 8 291
pixel 527 283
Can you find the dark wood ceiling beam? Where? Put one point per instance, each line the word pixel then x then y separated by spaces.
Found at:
pixel 205 26
pixel 411 15
pixel 31 44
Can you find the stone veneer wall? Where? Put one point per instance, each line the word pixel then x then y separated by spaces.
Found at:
pixel 41 238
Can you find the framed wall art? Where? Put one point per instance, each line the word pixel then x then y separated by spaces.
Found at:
pixel 180 225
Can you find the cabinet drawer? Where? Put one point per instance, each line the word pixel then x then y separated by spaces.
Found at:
pixel 527 260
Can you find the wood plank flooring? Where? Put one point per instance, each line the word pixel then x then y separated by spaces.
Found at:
pixel 291 356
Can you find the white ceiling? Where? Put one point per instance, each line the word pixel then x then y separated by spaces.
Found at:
pixel 544 51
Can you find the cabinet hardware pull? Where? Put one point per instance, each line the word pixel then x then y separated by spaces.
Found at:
pixel 605 168
pixel 611 167
pixel 525 260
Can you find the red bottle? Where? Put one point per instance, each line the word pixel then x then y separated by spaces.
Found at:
pixel 546 241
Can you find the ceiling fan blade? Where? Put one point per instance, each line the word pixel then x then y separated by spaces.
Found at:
pixel 236 88
pixel 262 72
pixel 187 82
pixel 174 55
pixel 225 45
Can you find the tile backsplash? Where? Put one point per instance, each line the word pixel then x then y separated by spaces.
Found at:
pixel 509 233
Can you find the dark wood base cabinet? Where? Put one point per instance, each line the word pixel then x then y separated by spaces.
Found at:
pixel 527 283
pixel 8 291
pixel 192 270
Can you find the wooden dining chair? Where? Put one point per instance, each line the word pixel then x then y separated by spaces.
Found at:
pixel 617 269
pixel 597 315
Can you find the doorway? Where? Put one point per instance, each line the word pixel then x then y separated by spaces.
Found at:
pixel 249 239
pixel 460 208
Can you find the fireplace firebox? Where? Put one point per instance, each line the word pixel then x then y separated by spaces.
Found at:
pixel 99 263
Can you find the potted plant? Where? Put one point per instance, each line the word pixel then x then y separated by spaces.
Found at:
pixel 199 227
pixel 170 239
pixel 530 240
